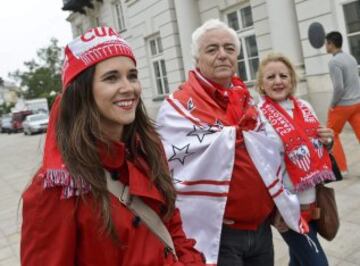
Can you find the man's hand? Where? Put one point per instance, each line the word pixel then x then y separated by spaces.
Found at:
pixel 279 223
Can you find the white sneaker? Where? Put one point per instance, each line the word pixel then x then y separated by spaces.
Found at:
pixel 344 173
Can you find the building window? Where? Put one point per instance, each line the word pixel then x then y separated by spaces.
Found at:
pixel 240 19
pixel 246 17
pixel 119 15
pixel 248 61
pixel 352 20
pixel 158 66
pixel 233 20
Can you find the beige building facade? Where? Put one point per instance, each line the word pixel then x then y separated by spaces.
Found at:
pixel 8 93
pixel 160 34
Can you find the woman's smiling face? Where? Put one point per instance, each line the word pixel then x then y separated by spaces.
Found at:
pixel 276 81
pixel 116 91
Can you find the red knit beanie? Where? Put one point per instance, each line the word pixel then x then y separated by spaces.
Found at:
pixel 95 45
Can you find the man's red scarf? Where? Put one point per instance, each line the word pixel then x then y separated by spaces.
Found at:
pixel 215 105
pixel 306 159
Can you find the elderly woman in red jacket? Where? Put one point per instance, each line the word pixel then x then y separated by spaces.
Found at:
pixel 97 126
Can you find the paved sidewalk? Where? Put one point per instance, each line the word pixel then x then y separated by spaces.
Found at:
pixel 20 156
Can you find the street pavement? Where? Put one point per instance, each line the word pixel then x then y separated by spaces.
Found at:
pixel 19 158
pixel 21 155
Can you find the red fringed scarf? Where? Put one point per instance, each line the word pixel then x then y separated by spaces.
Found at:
pixel 307 161
pixel 237 102
pixel 54 170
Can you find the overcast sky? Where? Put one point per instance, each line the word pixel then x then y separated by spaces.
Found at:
pixel 25 27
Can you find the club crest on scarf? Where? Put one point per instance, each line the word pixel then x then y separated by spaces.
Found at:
pixel 305 158
pixel 318 147
pixel 300 156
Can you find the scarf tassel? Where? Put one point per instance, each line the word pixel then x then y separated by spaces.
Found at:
pixel 315 178
pixel 62 178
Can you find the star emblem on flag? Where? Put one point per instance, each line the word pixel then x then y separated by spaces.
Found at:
pixel 180 153
pixel 201 132
pixel 219 124
pixel 174 180
pixel 190 105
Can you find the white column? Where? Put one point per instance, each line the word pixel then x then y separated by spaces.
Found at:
pixel 285 35
pixel 188 19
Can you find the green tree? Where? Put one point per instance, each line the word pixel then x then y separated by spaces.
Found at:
pixel 5 108
pixel 42 75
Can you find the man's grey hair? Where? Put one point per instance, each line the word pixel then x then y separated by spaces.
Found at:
pixel 211 24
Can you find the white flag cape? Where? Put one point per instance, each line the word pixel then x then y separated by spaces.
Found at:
pixel 201 160
pixel 265 154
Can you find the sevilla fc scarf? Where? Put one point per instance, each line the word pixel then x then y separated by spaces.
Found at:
pixel 307 161
pixel 240 109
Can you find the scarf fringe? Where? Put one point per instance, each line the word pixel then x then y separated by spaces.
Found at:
pixel 70 186
pixel 315 178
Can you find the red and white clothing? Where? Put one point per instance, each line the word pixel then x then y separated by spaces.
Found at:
pixel 304 196
pixel 68 232
pixel 307 196
pixel 58 231
pixel 61 228
pixel 201 127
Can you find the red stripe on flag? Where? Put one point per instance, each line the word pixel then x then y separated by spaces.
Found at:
pixel 202 193
pixel 273 183
pixel 205 182
pixel 277 193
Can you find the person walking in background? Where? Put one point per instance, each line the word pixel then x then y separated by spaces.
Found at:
pixel 292 123
pixel 345 103
pixel 224 204
pixel 99 126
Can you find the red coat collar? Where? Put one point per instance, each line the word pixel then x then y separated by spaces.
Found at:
pixel 135 176
pixel 141 185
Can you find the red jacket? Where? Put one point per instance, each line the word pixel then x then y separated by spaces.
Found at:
pixel 57 232
pixel 249 202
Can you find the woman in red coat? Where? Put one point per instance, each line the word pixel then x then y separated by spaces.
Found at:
pixel 99 122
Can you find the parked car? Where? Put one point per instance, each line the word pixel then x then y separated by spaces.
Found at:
pixel 18 119
pixel 6 124
pixel 35 123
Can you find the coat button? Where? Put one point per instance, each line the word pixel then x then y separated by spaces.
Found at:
pixel 136 221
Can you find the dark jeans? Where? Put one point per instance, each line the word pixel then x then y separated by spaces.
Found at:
pixel 245 247
pixel 304 251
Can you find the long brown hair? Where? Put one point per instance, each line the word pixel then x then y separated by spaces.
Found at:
pixel 79 130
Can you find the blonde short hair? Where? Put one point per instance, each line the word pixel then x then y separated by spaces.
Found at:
pixel 275 57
